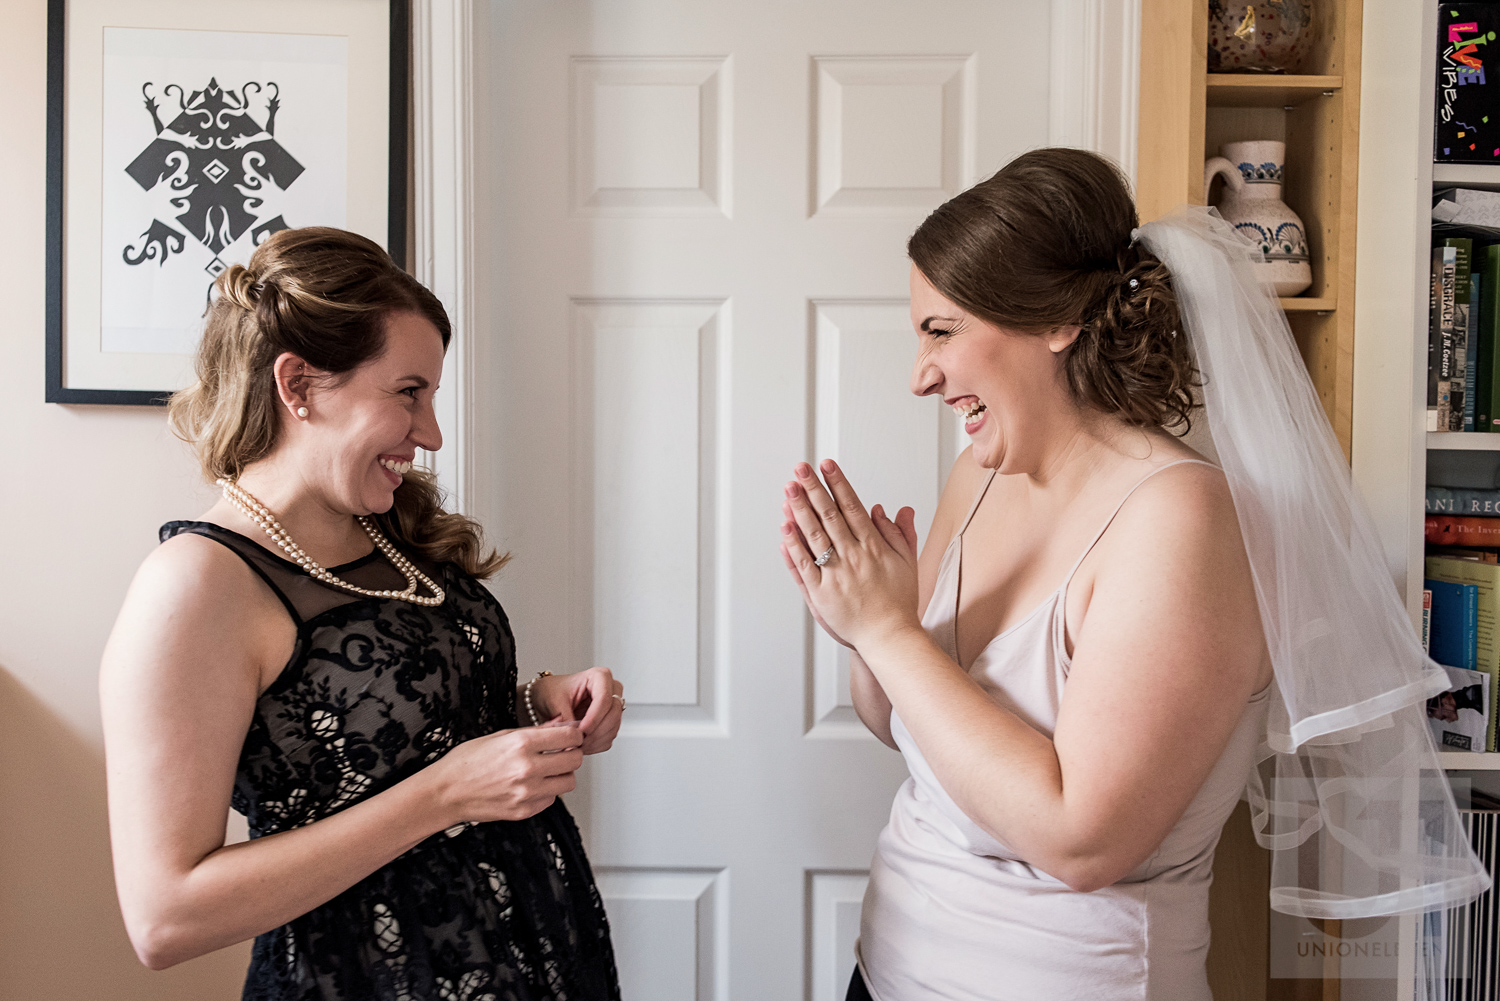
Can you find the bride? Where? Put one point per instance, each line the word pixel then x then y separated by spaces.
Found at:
pixel 1078 667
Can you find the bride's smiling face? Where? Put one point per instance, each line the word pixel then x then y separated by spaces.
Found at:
pixel 1006 385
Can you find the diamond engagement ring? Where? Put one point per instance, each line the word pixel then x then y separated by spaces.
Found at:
pixel 823 560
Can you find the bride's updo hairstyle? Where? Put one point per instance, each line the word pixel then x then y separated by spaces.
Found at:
pixel 324 295
pixel 1045 243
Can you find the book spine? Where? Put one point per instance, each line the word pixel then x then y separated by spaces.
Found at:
pixel 1471 628
pixel 1471 351
pixel 1447 277
pixel 1458 530
pixel 1426 620
pixel 1457 333
pixel 1468 503
pixel 1434 334
pixel 1484 383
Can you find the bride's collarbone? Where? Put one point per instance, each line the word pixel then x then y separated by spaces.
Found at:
pixel 1013 563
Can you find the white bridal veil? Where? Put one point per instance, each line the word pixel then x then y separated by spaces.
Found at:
pixel 1349 795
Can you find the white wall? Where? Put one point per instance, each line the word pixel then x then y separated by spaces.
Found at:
pixel 88 487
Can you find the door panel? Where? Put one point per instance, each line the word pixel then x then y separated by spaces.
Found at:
pixel 646 406
pixel 894 132
pixel 694 239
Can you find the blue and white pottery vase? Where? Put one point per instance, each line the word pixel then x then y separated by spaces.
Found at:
pixel 1252 204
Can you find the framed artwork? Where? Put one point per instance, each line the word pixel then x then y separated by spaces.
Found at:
pixel 181 134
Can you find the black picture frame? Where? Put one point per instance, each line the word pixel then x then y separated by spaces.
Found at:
pixel 57 26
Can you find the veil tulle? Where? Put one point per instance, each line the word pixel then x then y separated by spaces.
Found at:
pixel 1349 794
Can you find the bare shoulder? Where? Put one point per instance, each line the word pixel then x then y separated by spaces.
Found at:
pixel 1178 530
pixel 197 571
pixel 193 598
pixel 1182 499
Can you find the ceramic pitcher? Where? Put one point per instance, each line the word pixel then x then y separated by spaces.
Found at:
pixel 1252 204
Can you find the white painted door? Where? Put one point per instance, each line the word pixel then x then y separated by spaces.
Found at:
pixel 695 275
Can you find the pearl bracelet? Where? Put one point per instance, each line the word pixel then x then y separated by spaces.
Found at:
pixel 530 710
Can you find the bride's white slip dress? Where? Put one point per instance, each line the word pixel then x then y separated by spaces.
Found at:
pixel 953 914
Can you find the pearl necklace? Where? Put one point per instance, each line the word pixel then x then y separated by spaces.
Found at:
pixel 262 516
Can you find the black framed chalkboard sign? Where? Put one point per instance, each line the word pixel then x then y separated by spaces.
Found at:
pixel 180 135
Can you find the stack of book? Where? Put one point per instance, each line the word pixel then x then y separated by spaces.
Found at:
pixel 1462 361
pixel 1461 609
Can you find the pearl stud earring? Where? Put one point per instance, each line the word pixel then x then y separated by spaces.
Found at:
pixel 302 412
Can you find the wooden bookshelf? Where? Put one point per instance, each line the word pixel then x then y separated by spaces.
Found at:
pixel 1241 90
pixel 1303 305
pixel 1189 113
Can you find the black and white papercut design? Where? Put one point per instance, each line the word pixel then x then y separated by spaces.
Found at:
pixel 212 141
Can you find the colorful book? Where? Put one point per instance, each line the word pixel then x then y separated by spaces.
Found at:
pixel 1462 530
pixel 1457 500
pixel 1464 127
pixel 1455 332
pixel 1460 717
pixel 1455 623
pixel 1485 579
pixel 1485 383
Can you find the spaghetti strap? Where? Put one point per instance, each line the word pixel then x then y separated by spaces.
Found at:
pixel 1113 514
pixel 964 527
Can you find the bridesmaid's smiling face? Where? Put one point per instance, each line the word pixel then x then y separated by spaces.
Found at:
pixel 364 428
pixel 1005 385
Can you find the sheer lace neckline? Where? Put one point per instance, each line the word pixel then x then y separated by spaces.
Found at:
pixel 273 554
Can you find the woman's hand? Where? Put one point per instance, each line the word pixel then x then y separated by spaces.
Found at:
pixel 791 519
pixel 593 697
pixel 868 586
pixel 509 774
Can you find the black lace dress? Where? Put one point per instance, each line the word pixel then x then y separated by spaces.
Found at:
pixel 377 689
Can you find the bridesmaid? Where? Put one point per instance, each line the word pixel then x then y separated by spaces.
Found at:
pixel 318 652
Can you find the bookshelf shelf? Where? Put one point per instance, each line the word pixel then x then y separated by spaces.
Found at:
pixel 1469 761
pixel 1469 175
pixel 1320 304
pixel 1240 90
pixel 1463 441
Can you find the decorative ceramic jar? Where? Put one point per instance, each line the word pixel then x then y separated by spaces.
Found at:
pixel 1252 204
pixel 1267 37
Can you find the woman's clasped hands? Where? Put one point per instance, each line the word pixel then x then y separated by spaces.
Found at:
pixel 515 774
pixel 593 698
pixel 866 586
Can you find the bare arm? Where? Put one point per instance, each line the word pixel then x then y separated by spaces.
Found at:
pixel 195 641
pixel 964 479
pixel 1152 696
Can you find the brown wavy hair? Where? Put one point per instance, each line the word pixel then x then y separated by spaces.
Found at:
pixel 1045 243
pixel 324 295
